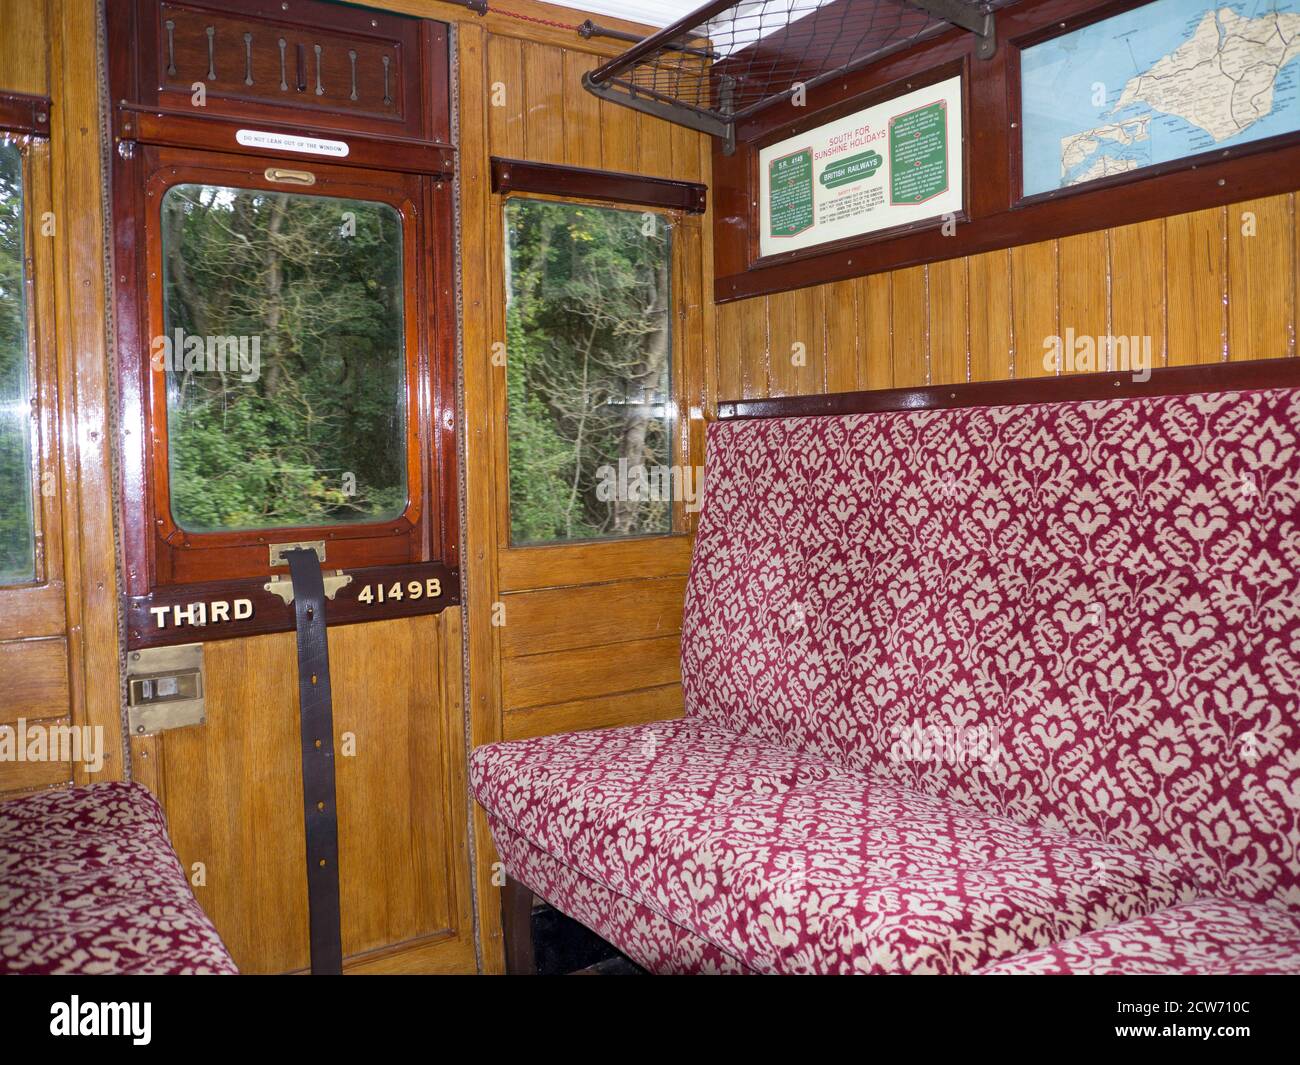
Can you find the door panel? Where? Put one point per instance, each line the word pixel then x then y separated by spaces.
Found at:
pixel 232 792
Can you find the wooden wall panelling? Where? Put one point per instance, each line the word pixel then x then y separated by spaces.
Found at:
pixel 545 129
pixel 796 323
pixel 875 342
pixel 948 341
pixel 35 676
pixel 654 147
pixel 484 60
pixel 1261 278
pixel 1196 287
pixel 1137 285
pixel 841 338
pixel 18 777
pixel 505 97
pixel 561 619
pixel 1199 285
pixel 584 672
pixel 24 47
pixel 603 711
pixel 1082 277
pixel 730 319
pixel 232 792
pixel 909 313
pixel 581 112
pixel 618 137
pixel 989 280
pixel 87 504
pixel 1033 305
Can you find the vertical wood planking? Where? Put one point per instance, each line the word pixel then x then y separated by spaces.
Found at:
pixel 842 337
pixel 618 137
pixel 796 325
pixel 477 52
pixel 1261 272
pixel 875 332
pixel 1083 274
pixel 731 352
pixel 754 350
pixel 544 126
pixel 1137 288
pixel 1033 306
pixel 948 322
pixel 908 313
pixel 581 113
pixel 505 97
pixel 1196 280
pixel 989 282
pixel 654 147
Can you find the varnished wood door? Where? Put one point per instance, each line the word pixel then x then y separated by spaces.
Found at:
pixel 232 790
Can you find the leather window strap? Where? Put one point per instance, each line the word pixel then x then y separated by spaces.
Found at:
pixel 316 721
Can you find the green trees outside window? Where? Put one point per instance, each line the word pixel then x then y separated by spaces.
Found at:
pixel 284 352
pixel 588 369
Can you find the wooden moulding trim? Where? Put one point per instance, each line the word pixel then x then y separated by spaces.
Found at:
pixel 1165 381
pixel 181 130
pixel 271 614
pixel 21 113
pixel 551 179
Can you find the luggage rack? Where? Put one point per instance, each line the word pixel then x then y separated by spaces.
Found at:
pixel 729 60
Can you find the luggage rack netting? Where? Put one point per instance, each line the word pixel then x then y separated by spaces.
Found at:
pixel 729 60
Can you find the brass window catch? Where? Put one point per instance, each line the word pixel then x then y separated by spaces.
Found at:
pixel 277 551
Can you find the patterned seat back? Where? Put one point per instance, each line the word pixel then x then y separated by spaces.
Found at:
pixel 1083 615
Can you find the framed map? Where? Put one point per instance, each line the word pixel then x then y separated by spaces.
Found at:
pixel 1155 85
pixel 890 165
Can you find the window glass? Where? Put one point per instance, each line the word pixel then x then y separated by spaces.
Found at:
pixel 17 529
pixel 284 354
pixel 589 354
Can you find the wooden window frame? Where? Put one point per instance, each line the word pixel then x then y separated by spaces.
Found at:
pixel 996 215
pixel 167 569
pixel 182 556
pixel 532 566
pixel 38 607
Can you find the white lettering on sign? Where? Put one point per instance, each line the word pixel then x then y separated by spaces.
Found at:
pixel 287 142
pixel 201 613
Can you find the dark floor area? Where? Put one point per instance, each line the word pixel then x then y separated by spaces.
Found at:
pixel 564 947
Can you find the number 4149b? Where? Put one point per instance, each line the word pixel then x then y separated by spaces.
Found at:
pixel 380 593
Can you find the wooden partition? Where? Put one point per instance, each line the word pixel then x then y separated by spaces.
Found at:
pixel 1208 286
pixel 579 635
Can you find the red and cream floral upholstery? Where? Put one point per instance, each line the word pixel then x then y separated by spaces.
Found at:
pixel 1107 594
pixel 1210 936
pixel 958 683
pixel 89 884
pixel 791 864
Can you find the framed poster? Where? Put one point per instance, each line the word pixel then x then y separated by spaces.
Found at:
pixel 1156 85
pixel 886 166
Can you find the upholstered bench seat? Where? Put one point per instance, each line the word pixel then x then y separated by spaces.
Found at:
pixel 89 884
pixel 1208 936
pixel 784 862
pixel 958 684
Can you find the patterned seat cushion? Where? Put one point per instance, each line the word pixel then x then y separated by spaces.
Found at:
pixel 785 862
pixel 89 884
pixel 1082 615
pixel 1209 936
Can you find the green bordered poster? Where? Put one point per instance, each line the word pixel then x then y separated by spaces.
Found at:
pixel 888 165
